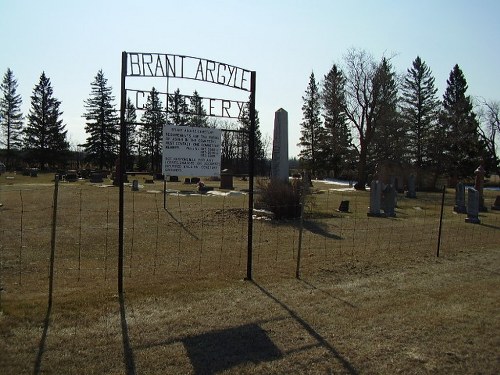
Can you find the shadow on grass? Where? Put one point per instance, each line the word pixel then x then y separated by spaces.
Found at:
pixel 321 340
pixel 316 228
pixel 128 354
pixel 186 229
pixel 43 339
pixel 329 294
pixel 489 226
pixel 218 351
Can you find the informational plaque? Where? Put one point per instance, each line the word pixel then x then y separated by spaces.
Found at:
pixel 191 152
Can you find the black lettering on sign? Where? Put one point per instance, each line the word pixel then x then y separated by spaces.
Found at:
pixel 178 66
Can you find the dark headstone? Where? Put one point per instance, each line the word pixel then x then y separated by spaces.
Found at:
pixel 96 178
pixel 195 180
pixel 226 181
pixel 389 200
pixel 344 206
pixel 71 176
pixel 496 205
pixel 460 199
pixel 411 193
pixel 135 185
pixel 187 180
pixel 174 179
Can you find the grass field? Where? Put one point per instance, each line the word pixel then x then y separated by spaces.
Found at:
pixel 372 296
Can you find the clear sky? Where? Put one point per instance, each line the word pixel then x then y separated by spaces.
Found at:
pixel 283 41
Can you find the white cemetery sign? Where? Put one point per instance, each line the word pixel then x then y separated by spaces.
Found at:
pixel 191 151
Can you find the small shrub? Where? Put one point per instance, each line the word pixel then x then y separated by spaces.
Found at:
pixel 280 197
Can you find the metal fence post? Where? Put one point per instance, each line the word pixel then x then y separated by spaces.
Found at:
pixel 440 221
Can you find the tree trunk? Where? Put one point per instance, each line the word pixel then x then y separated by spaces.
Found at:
pixel 361 184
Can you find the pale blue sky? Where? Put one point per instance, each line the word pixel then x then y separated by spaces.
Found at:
pixel 283 41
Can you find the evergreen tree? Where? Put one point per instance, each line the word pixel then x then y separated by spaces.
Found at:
pixel 102 127
pixel 420 109
pixel 336 145
pixel 130 121
pixel 11 118
pixel 259 153
pixel 197 113
pixel 178 110
pixel 461 148
pixel 45 134
pixel 151 131
pixel 312 130
pixel 389 138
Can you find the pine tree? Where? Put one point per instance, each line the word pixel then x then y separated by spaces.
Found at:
pixel 11 118
pixel 312 130
pixel 197 113
pixel 102 127
pixel 461 147
pixel 130 121
pixel 336 145
pixel 389 138
pixel 259 153
pixel 151 131
pixel 45 134
pixel 420 109
pixel 178 110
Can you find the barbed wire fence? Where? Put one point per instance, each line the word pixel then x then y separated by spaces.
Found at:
pixel 204 236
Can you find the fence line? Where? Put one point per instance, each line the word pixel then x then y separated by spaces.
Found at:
pixel 203 235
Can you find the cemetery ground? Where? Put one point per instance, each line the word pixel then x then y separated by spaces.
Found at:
pixel 372 297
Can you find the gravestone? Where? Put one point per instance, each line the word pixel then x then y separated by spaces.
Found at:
pixel 460 199
pixel 496 205
pixel 478 185
pixel 411 193
pixel 279 163
pixel 173 178
pixel 135 185
pixel 472 206
pixel 96 178
pixel 226 180
pixel 71 176
pixel 344 206
pixel 375 196
pixel 389 200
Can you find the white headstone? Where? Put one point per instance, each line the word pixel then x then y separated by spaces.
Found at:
pixel 279 164
pixel 472 206
pixel 375 198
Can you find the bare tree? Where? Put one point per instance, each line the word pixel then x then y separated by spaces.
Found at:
pixel 489 130
pixel 365 102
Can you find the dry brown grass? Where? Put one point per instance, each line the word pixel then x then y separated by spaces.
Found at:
pixel 372 298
